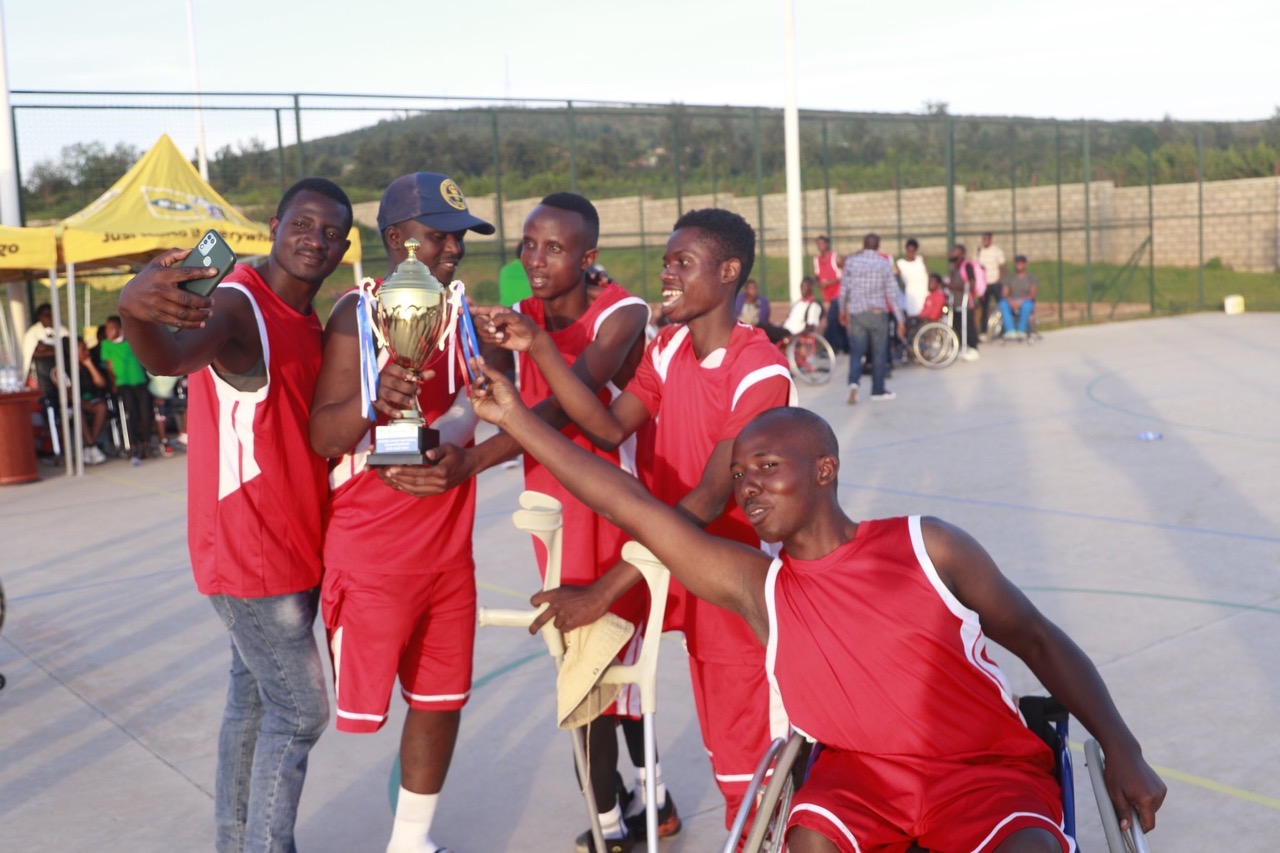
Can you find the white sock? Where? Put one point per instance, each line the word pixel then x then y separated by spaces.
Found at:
pixel 411 831
pixel 611 823
pixel 638 801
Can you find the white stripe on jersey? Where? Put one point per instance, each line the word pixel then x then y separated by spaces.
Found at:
pixel 761 374
pixel 971 638
pixel 662 358
pixel 621 303
pixel 237 463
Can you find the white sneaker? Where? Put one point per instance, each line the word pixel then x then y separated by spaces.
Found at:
pixel 94 456
pixel 970 354
pixel 853 394
pixel 887 395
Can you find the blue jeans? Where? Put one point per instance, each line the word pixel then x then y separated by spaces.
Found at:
pixel 277 707
pixel 1024 313
pixel 863 328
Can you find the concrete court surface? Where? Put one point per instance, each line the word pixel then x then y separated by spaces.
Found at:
pixel 1158 557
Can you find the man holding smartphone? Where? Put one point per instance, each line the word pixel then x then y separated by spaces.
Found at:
pixel 255 491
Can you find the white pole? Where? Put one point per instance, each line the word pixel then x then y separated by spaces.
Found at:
pixel 201 156
pixel 9 214
pixel 791 141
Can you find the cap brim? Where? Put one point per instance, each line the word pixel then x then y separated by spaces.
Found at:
pixel 459 220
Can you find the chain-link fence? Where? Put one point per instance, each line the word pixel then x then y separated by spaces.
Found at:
pixel 1117 219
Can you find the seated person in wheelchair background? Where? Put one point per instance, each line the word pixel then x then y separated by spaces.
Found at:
pixel 935 304
pixel 806 312
pixel 1019 296
pixel 875 636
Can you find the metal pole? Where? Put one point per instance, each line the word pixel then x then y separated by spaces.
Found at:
pixel 1200 213
pixel 1088 233
pixel 897 193
pixel 10 203
pixel 1057 169
pixel 826 178
pixel 791 152
pixel 1013 183
pixel 297 127
pixel 573 151
pixel 949 156
pixel 1151 223
pixel 764 273
pixel 280 150
pixel 497 190
pixel 201 153
pixel 675 153
pixel 644 250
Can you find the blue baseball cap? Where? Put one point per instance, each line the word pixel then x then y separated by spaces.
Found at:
pixel 432 199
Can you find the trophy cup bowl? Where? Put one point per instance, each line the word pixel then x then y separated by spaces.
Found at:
pixel 413 316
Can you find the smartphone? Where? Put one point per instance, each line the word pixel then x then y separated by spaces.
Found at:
pixel 212 252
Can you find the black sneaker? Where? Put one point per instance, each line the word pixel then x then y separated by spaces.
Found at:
pixel 668 821
pixel 625 844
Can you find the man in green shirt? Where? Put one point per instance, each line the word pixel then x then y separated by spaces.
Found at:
pixel 513 281
pixel 129 381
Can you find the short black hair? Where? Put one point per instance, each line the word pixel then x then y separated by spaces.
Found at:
pixel 913 242
pixel 43 306
pixel 113 318
pixel 321 186
pixel 581 206
pixel 732 236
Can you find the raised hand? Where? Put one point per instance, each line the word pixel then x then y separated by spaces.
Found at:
pixel 493 397
pixel 153 295
pixel 507 329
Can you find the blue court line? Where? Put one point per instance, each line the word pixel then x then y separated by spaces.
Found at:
pixel 1067 513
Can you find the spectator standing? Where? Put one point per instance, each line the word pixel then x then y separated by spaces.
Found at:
pixel 992 259
pixel 868 291
pixel 1019 298
pixel 826 269
pixel 513 281
pixel 129 381
pixel 915 277
pixel 964 272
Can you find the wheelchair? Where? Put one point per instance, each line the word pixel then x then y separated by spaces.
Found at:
pixel 786 762
pixel 810 357
pixel 934 344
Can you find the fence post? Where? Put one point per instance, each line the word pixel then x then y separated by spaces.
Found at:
pixel 826 177
pixel 644 250
pixel 280 150
pixel 497 190
pixel 675 153
pixel 1013 183
pixel 1200 212
pixel 764 268
pixel 297 128
pixel 949 157
pixel 1057 170
pixel 573 149
pixel 897 197
pixel 1088 233
pixel 1151 222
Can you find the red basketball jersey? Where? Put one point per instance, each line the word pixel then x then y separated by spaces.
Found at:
pixel 591 545
pixel 695 405
pixel 872 652
pixel 254 487
pixel 371 526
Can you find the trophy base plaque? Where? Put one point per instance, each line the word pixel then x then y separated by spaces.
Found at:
pixel 402 444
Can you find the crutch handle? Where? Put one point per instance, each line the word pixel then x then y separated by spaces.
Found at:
pixel 489 616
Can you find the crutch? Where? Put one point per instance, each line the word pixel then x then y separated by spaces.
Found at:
pixel 540 516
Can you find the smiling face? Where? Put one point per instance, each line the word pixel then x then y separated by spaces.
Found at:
pixel 695 280
pixel 782 470
pixel 440 251
pixel 310 238
pixel 554 251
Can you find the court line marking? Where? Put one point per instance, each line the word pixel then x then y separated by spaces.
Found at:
pixel 1206 783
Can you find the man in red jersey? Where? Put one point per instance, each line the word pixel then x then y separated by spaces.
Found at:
pixel 600 331
pixel 702 378
pixel 399 595
pixel 255 492
pixel 875 635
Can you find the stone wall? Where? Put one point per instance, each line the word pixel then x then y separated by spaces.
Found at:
pixel 1241 220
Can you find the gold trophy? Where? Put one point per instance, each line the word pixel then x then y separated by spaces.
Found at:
pixel 413 316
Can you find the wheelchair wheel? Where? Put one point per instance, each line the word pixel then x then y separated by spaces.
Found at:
pixel 1118 841
pixel 773 804
pixel 811 358
pixel 935 345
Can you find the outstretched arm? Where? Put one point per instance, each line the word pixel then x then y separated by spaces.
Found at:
pixel 1011 620
pixel 720 571
pixel 606 427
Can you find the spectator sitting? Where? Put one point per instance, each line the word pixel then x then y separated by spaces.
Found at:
pixel 934 301
pixel 93 403
pixel 806 312
pixel 1019 295
pixel 752 308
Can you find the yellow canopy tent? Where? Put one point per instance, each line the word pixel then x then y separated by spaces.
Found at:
pixel 33 253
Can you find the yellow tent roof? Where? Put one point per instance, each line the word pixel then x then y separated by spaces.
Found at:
pixel 27 249
pixel 160 203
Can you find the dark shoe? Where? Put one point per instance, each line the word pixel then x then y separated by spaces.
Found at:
pixel 625 844
pixel 668 821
